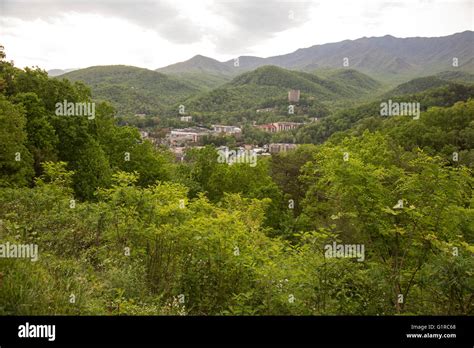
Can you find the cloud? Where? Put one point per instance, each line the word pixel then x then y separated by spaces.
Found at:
pixel 256 21
pixel 160 16
pixel 244 22
pixel 80 33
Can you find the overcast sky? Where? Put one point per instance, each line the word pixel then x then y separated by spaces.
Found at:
pixel 154 33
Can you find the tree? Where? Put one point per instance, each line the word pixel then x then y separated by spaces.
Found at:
pixel 16 163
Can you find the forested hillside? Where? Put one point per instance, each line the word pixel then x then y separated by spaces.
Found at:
pixel 268 86
pixel 388 59
pixel 132 90
pixel 341 120
pixel 123 228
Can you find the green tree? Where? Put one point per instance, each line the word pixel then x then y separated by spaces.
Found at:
pixel 16 163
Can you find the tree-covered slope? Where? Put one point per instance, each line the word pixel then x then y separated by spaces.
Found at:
pixel 132 90
pixel 387 58
pixel 456 76
pixel 269 85
pixel 417 85
pixel 443 96
pixel 142 234
pixel 198 64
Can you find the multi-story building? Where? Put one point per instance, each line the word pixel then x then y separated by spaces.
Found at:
pixel 226 129
pixel 278 126
pixel 177 136
pixel 186 118
pixel 281 147
pixel 294 96
pixel 186 135
pixel 265 110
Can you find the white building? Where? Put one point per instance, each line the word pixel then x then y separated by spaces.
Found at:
pixel 180 136
pixel 186 118
pixel 281 147
pixel 226 129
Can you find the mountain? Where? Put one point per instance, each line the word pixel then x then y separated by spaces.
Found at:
pixel 386 58
pixel 268 86
pixel 421 84
pixel 354 78
pixel 198 64
pixel 367 115
pixel 417 85
pixel 390 59
pixel 250 82
pixel 200 72
pixel 57 72
pixel 338 84
pixel 202 81
pixel 456 76
pixel 132 90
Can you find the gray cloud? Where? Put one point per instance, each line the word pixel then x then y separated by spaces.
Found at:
pixel 252 20
pixel 259 20
pixel 156 15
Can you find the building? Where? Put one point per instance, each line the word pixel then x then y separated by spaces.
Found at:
pixel 226 129
pixel 278 126
pixel 294 96
pixel 186 135
pixel 178 152
pixel 270 127
pixel 265 110
pixel 281 147
pixel 186 118
pixel 177 137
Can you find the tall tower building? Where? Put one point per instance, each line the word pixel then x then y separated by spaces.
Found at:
pixel 294 95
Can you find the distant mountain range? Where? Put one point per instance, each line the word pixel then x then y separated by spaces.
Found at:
pixel 207 85
pixel 386 58
pixel 58 72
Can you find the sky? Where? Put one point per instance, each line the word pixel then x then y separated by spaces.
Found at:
pixel 61 34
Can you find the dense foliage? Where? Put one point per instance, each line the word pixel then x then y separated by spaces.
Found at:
pixel 133 90
pixel 123 229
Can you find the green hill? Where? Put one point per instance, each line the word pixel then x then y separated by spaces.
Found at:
pixel 422 84
pixel 201 81
pixel 417 85
pixel 200 72
pixel 456 76
pixel 354 78
pixel 198 64
pixel 269 85
pixel 132 90
pixel 369 113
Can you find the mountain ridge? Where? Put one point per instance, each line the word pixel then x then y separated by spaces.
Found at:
pixel 385 58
